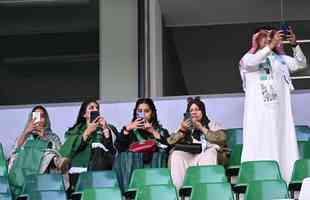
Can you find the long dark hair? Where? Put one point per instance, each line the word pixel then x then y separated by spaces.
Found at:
pixel 151 104
pixel 190 101
pixel 80 118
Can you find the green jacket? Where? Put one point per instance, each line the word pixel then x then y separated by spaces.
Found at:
pixel 78 150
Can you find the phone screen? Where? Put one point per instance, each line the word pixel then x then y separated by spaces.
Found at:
pixel 94 115
pixel 285 28
pixel 36 116
pixel 140 115
pixel 187 116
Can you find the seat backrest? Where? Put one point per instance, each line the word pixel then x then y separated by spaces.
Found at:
pixel 3 163
pixel 150 176
pixel 155 192
pixel 235 156
pixel 6 197
pixel 112 193
pixel 301 170
pixel 4 185
pixel 266 190
pixel 304 149
pixel 96 179
pixel 44 182
pixel 234 136
pixel 258 170
pixel 208 191
pixel 47 195
pixel 204 174
pixel 302 132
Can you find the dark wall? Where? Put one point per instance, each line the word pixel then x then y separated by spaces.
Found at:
pixel 207 57
pixel 173 79
pixel 49 53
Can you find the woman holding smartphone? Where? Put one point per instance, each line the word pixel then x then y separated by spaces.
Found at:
pixel 35 151
pixel 144 129
pixel 90 133
pixel 196 142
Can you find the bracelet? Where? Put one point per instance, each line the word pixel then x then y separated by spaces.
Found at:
pixel 183 132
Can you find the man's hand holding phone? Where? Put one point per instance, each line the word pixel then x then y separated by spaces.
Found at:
pixel 291 37
pixel 276 39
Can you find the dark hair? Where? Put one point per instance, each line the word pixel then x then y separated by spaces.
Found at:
pixel 190 101
pixel 151 104
pixel 80 118
pixel 264 28
pixel 39 107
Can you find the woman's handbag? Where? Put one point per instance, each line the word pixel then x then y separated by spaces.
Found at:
pixel 142 146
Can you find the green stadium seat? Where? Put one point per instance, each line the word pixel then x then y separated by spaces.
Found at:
pixel 304 149
pixel 146 177
pixel 112 193
pixel 302 132
pixel 234 160
pixel 155 192
pixel 47 195
pixel 256 171
pixel 212 191
pixel 4 185
pixel 266 190
pixel 234 136
pixel 6 197
pixel 202 174
pixel 94 179
pixel 42 182
pixel 300 172
pixel 3 163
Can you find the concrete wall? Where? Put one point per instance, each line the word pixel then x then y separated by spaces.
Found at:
pixel 118 49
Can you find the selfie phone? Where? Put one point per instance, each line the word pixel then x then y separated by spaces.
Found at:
pixel 285 28
pixel 187 116
pixel 36 116
pixel 140 115
pixel 94 115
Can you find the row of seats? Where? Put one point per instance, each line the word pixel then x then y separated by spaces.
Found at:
pixel 206 181
pixel 37 187
pixel 235 135
pixel 201 179
pixel 235 144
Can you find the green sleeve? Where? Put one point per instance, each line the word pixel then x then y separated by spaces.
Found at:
pixel 72 143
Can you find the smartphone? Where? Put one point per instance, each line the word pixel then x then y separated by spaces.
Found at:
pixel 140 115
pixel 36 116
pixel 285 28
pixel 188 116
pixel 94 115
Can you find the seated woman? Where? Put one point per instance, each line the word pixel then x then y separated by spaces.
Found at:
pixel 87 138
pixel 144 126
pixel 35 151
pixel 195 128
